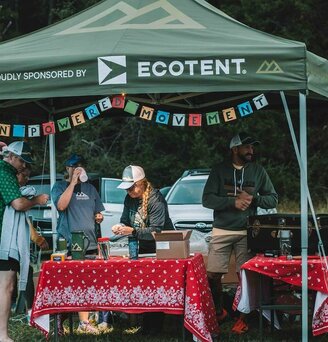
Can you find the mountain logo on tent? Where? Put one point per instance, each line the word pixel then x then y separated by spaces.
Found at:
pixel 111 70
pixel 269 68
pixel 158 15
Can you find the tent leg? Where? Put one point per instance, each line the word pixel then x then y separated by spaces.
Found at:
pixel 52 162
pixel 304 214
pixel 305 195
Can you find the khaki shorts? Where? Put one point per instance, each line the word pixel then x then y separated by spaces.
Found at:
pixel 220 249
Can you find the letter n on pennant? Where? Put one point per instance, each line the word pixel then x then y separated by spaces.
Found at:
pixel 245 109
pixel 4 130
pixel 48 128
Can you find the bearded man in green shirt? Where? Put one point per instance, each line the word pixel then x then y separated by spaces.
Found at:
pixel 234 190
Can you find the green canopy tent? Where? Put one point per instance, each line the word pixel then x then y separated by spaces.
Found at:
pixel 166 51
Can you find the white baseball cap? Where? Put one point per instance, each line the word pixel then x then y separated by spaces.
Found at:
pixel 131 174
pixel 242 139
pixel 21 149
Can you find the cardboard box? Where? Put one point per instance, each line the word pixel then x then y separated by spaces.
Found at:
pixel 172 244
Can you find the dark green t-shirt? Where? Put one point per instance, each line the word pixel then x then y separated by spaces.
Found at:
pixel 9 188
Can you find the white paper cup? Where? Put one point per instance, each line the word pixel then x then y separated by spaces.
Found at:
pixel 83 175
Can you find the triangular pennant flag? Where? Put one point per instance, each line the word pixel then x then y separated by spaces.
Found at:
pixel 92 111
pixel 260 101
pixel 48 128
pixel 19 131
pixel 105 104
pixel 212 118
pixel 229 114
pixel 131 107
pixel 162 117
pixel 63 124
pixel 245 109
pixel 33 131
pixel 146 113
pixel 4 130
pixel 77 118
pixel 179 119
pixel 195 119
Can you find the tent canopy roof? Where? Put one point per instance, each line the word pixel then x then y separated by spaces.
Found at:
pixel 169 50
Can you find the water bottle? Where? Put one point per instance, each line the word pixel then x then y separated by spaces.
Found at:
pixel 285 243
pixel 133 247
pixel 103 248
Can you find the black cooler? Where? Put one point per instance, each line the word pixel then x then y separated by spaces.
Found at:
pixel 263 232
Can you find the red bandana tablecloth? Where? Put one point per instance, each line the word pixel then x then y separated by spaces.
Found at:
pixel 288 271
pixel 133 286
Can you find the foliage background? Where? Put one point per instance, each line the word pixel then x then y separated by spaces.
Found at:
pixel 111 143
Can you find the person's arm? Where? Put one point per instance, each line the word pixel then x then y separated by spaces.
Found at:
pixel 64 199
pixel 23 204
pixel 124 226
pixel 11 195
pixel 267 196
pixel 212 198
pixel 98 207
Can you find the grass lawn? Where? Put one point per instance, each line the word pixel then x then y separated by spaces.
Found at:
pixel 21 332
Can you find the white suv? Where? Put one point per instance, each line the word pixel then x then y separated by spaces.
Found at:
pixel 186 210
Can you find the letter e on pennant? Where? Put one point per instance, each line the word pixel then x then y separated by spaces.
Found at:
pixel 195 119
pixel 229 114
pixel 78 118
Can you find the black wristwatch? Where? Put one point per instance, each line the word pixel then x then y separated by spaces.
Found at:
pixel 134 232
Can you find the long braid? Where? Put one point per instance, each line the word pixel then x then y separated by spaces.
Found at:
pixel 145 200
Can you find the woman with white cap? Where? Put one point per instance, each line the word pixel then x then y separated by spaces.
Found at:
pixel 145 209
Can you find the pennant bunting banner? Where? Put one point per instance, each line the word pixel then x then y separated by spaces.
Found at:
pixel 242 110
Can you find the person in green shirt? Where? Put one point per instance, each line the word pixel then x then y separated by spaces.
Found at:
pixel 15 157
pixel 234 190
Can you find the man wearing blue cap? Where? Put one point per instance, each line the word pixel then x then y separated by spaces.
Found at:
pixel 79 206
pixel 15 157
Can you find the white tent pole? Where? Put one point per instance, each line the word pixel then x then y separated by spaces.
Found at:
pixel 304 214
pixel 52 161
pixel 302 161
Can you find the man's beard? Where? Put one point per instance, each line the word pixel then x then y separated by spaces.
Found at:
pixel 247 158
